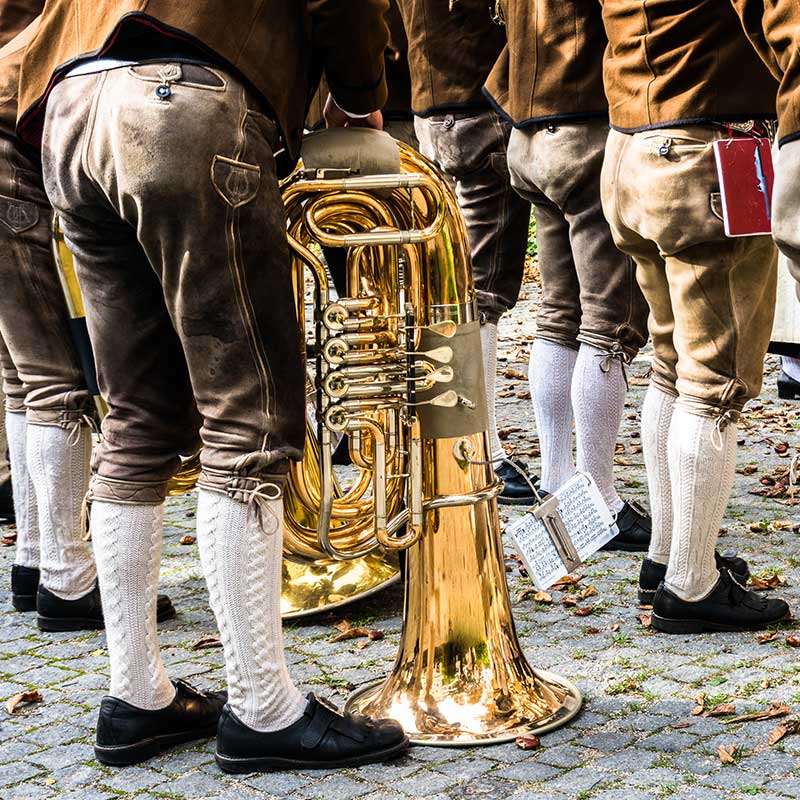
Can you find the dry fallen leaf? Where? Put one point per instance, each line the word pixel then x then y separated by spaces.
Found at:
pixel 700 699
pixel 772 582
pixel 567 580
pixel 679 725
pixel 793 640
pixel 776 709
pixel 763 638
pixel 528 742
pixel 721 710
pixel 355 633
pixel 9 538
pixel 645 619
pixel 188 539
pixel 543 597
pixel 21 699
pixel 591 631
pixel 791 726
pixel 207 642
pixel 584 612
pixel 726 754
pixel 589 591
pixel 514 374
pixel 615 627
pixel 569 601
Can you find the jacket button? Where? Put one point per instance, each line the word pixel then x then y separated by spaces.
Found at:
pixel 449 122
pixel 163 91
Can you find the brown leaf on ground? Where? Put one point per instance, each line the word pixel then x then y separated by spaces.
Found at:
pixel 770 582
pixel 349 632
pixel 787 728
pixel 781 447
pixel 645 619
pixel 543 597
pixel 514 374
pixel 591 631
pixel 21 699
pixel 584 612
pixel 528 742
pixel 721 710
pixel 726 754
pixel 9 541
pixel 776 709
pixel 345 624
pixel 793 640
pixel 750 469
pixel 504 433
pixel 207 643
pixel 567 580
pixel 680 725
pixel 571 602
pixel 763 638
pixel 188 539
pixel 589 591
pixel 700 699
pixel 615 627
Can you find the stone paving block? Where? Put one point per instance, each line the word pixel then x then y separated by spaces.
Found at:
pixel 607 742
pixel 731 777
pixel 668 742
pixel 528 772
pixel 64 755
pixel 422 783
pixel 786 787
pixel 579 780
pixel 481 789
pixel 628 761
pixel 565 755
pixel 623 794
pixel 279 784
pixel 11 774
pixel 466 767
pixel 336 787
pixel 32 791
pixel 134 779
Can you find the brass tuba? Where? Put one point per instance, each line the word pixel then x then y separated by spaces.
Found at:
pixel 399 369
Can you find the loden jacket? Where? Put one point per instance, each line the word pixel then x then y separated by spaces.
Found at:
pixel 15 17
pixel 552 66
pixel 279 47
pixel 681 62
pixel 452 47
pixel 773 27
pixel 398 76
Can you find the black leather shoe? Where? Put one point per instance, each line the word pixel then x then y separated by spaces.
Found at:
pixel 652 573
pixel 516 491
pixel 788 388
pixel 341 455
pixel 729 607
pixel 127 735
pixel 85 613
pixel 635 530
pixel 24 583
pixel 322 738
pixel 7 513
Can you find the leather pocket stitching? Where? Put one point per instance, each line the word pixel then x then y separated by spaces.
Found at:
pixel 715 204
pixel 235 194
pixel 19 222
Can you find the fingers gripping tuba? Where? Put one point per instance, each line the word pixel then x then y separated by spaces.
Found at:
pixel 399 369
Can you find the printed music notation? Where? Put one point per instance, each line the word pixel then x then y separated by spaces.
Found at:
pixel 586 520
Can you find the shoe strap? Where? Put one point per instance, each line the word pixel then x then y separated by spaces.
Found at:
pixel 323 718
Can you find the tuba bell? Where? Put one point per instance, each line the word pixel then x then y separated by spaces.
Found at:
pixel 399 370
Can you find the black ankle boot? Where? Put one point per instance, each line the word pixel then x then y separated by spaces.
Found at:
pixel 127 735
pixel 516 490
pixel 7 513
pixel 729 607
pixel 652 573
pixel 85 613
pixel 635 530
pixel 24 583
pixel 322 738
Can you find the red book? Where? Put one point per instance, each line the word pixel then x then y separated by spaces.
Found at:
pixel 746 175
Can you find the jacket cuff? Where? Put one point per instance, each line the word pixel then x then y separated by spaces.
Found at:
pixel 359 99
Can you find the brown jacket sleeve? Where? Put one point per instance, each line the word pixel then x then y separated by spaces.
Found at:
pixel 349 38
pixel 751 13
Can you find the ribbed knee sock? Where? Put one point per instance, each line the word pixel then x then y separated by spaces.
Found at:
pixel 598 399
pixel 702 463
pixel 489 345
pixel 656 418
pixel 58 461
pixel 550 378
pixel 241 547
pixel 24 491
pixel 127 542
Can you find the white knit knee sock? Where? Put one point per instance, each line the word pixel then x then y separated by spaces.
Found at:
pixel 598 399
pixel 550 378
pixel 242 552
pixel 24 492
pixel 127 542
pixel 489 345
pixel 656 418
pixel 702 462
pixel 58 461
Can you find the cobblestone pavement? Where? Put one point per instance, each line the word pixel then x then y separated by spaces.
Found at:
pixel 635 739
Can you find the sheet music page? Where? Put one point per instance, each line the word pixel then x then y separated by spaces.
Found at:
pixel 587 519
